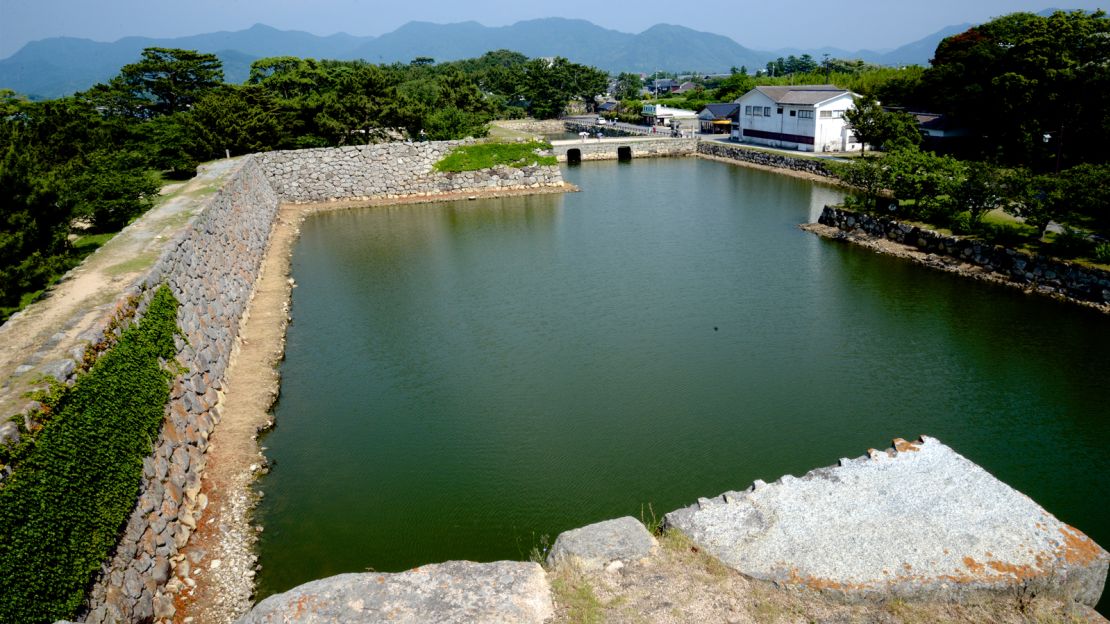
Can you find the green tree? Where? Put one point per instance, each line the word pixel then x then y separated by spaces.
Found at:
pixel 628 86
pixel 867 176
pixel 922 180
pixel 981 190
pixel 551 84
pixel 875 126
pixel 171 79
pixel 1021 77
pixel 867 119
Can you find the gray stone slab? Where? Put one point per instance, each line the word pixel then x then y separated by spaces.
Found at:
pixel 596 545
pixel 917 521
pixel 456 591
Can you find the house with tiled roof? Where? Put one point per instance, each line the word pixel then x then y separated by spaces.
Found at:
pixel 808 118
pixel 717 118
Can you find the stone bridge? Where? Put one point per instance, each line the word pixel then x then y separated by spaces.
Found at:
pixel 573 151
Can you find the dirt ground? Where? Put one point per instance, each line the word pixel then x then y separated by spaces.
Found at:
pixel 679 584
pixel 47 330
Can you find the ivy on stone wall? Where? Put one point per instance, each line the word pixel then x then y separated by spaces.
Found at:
pixel 62 512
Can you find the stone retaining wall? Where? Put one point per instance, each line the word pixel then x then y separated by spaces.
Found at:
pixel 1044 275
pixel 387 170
pixel 532 126
pixel 760 157
pixel 210 268
pixel 607 130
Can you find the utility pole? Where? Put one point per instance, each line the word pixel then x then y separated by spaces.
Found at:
pixel 826 68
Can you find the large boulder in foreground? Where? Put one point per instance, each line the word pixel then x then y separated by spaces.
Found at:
pixel 597 545
pixel 456 591
pixel 917 521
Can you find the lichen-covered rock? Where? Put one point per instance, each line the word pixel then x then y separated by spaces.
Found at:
pixel 916 521
pixel 596 545
pixel 452 592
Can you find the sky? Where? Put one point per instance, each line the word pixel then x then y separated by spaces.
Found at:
pixel 758 24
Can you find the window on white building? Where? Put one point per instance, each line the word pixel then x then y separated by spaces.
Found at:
pixel 805 114
pixel 780 111
pixel 793 113
pixel 747 110
pixel 826 114
pixel 766 111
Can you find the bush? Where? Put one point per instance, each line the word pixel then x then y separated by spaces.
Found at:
pixel 1072 243
pixel 487 155
pixel 62 510
pixel 1102 253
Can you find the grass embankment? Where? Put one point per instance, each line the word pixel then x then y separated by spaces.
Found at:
pixel 487 155
pixel 76 481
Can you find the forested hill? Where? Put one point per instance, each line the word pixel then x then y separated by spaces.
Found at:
pixel 63 65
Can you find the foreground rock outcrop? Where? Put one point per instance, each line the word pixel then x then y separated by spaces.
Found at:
pixel 456 591
pixel 918 522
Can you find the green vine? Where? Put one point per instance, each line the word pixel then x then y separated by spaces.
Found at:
pixel 62 511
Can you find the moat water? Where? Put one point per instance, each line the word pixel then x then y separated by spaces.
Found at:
pixel 462 379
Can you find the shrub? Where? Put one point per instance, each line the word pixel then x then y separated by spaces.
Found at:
pixel 1071 243
pixel 487 155
pixel 1102 253
pixel 62 510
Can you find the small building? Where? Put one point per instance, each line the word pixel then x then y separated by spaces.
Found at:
pixel 718 118
pixel 607 107
pixel 808 118
pixel 663 86
pixel 685 87
pixel 659 115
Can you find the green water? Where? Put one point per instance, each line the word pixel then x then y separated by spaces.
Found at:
pixel 463 378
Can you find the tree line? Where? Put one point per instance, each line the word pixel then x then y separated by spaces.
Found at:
pixel 97 158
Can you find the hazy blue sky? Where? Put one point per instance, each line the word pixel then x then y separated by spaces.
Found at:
pixel 762 24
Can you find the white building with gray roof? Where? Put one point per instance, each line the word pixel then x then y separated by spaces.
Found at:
pixel 808 118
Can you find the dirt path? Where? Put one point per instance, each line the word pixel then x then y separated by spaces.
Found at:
pixel 48 330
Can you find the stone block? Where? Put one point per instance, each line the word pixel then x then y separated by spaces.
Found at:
pixel 446 593
pixel 596 545
pixel 918 521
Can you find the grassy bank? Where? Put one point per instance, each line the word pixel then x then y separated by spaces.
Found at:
pixel 487 155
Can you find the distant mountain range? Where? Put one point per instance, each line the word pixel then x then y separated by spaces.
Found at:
pixel 62 65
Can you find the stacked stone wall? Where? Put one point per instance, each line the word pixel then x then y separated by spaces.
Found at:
pixel 533 126
pixel 210 267
pixel 764 158
pixel 387 170
pixel 607 130
pixel 1044 275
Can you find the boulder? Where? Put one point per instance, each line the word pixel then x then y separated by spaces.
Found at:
pixel 917 521
pixel 595 546
pixel 456 591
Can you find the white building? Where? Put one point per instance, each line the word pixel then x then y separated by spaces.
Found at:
pixel 807 118
pixel 657 115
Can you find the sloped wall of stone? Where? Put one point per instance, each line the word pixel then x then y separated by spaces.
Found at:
pixel 1044 275
pixel 211 269
pixel 387 170
pixel 761 157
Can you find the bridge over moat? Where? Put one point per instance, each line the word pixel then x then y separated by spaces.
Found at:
pixel 621 148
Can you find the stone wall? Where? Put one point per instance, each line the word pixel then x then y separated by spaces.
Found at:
pixel 532 126
pixel 387 170
pixel 765 158
pixel 210 268
pixel 607 130
pixel 1044 275
pixel 592 149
